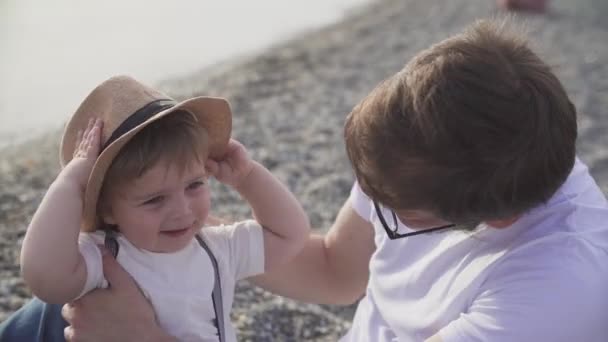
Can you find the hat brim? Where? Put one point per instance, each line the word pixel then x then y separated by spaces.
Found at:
pixel 213 114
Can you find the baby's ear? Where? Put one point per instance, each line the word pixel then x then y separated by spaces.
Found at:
pixel 104 211
pixel 108 219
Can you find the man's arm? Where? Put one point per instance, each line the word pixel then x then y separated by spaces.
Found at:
pixel 331 269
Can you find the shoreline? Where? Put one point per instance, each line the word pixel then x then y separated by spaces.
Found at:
pixel 289 103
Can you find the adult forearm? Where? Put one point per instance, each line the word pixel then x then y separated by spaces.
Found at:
pixel 331 269
pixel 311 277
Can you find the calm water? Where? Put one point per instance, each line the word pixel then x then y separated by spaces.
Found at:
pixel 52 53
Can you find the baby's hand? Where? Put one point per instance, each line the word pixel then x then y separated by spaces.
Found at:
pixel 88 145
pixel 233 167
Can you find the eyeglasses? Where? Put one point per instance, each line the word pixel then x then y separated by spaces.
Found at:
pixel 393 234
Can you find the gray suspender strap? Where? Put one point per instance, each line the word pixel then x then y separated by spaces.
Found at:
pixel 112 245
pixel 216 295
pixel 110 242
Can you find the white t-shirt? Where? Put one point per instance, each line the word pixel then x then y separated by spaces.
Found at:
pixel 545 278
pixel 179 285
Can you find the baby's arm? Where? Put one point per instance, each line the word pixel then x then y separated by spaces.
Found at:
pixel 51 263
pixel 285 223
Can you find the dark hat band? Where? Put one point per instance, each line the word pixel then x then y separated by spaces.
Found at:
pixel 140 116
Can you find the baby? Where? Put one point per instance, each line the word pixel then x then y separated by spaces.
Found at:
pixel 136 166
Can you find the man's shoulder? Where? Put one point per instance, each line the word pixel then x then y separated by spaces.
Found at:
pixel 560 257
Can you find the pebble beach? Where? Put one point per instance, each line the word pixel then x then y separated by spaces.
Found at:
pixel 289 104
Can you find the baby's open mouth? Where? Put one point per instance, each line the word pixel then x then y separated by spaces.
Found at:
pixel 174 233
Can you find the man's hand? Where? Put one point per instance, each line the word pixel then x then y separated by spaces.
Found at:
pixel 119 313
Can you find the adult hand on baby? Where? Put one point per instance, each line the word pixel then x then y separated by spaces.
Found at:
pixel 118 313
pixel 233 167
pixel 88 146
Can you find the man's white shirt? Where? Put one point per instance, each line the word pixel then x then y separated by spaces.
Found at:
pixel 545 278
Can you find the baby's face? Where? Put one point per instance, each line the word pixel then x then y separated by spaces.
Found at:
pixel 162 210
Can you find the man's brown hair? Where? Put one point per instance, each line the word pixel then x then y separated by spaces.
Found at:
pixel 475 128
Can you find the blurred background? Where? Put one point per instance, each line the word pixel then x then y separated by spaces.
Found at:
pixel 53 53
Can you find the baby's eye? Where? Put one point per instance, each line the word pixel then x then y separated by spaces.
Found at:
pixel 195 185
pixel 154 200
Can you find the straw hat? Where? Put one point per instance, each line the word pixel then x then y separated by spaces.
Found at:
pixel 126 106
